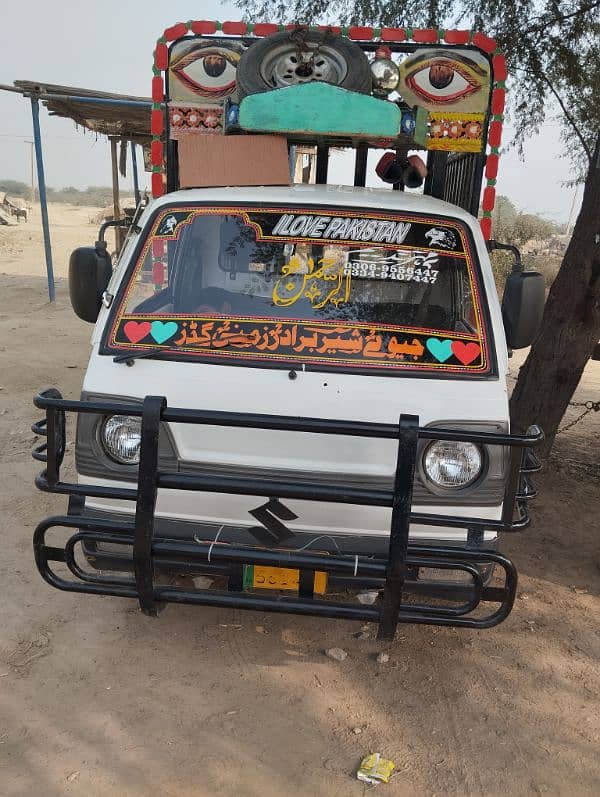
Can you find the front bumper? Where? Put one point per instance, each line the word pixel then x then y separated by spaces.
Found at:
pixel 115 558
pixel 393 567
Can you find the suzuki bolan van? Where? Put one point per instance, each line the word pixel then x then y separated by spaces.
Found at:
pixel 296 401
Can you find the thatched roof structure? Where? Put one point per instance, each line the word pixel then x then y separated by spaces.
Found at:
pixel 120 115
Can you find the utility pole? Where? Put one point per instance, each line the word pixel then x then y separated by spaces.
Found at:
pixel 32 163
pixel 37 138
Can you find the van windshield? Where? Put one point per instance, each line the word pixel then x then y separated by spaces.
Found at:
pixel 318 287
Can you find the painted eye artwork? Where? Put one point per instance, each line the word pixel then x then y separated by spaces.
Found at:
pixel 203 69
pixel 442 81
pixel 457 80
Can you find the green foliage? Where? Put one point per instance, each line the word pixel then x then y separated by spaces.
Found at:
pixel 15 188
pixel 529 227
pixel 553 53
pixel 512 226
pixel 95 196
pixel 552 48
pixel 504 217
pixel 346 12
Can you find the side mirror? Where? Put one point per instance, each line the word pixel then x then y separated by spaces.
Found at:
pixel 90 270
pixel 523 307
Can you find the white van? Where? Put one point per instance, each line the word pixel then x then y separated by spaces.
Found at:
pixel 318 302
pixel 296 392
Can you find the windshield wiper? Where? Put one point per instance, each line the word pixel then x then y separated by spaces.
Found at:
pixel 130 356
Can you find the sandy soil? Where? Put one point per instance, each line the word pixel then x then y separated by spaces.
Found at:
pixel 96 699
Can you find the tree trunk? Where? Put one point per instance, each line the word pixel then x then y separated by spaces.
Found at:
pixel 571 325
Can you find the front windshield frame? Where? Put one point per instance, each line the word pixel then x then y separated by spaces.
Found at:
pixel 487 368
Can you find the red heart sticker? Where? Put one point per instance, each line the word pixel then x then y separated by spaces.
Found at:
pixel 465 352
pixel 136 330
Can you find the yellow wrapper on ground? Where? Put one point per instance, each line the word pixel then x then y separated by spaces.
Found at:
pixel 374 769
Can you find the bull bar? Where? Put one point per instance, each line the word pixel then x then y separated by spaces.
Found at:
pixel 151 552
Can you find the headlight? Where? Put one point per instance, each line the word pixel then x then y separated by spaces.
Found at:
pixel 121 437
pixel 449 464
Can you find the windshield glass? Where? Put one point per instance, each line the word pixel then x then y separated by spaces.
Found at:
pixel 305 287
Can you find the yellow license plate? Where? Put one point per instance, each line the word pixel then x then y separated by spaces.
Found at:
pixel 262 577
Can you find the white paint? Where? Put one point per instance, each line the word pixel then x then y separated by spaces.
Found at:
pixel 312 394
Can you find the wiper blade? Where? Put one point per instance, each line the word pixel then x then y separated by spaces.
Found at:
pixel 130 356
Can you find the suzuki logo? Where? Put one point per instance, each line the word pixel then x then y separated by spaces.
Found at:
pixel 272 532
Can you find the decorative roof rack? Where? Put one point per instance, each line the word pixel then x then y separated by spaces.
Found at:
pixel 440 91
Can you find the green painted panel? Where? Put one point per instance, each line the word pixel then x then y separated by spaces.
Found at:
pixel 320 109
pixel 421 127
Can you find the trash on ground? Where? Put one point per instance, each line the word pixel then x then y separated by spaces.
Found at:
pixel 336 653
pixel 375 769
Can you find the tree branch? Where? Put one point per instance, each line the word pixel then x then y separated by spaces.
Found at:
pixel 568 116
pixel 545 23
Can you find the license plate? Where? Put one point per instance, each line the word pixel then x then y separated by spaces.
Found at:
pixel 282 578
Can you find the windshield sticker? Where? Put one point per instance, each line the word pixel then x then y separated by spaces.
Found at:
pixel 301 342
pixel 442 350
pixel 346 228
pixel 404 266
pixel 296 286
pixel 355 229
pixel 171 223
pixel 334 228
pixel 299 278
pixel 444 238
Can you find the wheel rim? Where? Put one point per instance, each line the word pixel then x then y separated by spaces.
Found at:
pixel 283 66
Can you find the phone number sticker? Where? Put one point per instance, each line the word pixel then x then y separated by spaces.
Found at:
pixel 412 267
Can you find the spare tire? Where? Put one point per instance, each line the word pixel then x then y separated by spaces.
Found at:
pixel 301 56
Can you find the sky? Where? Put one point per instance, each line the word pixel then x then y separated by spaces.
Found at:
pixel 109 47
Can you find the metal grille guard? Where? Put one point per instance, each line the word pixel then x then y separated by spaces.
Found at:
pixel 150 552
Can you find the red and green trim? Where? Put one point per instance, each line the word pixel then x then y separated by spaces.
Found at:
pixel 356 33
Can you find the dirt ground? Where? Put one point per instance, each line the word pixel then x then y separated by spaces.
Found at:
pixel 97 699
